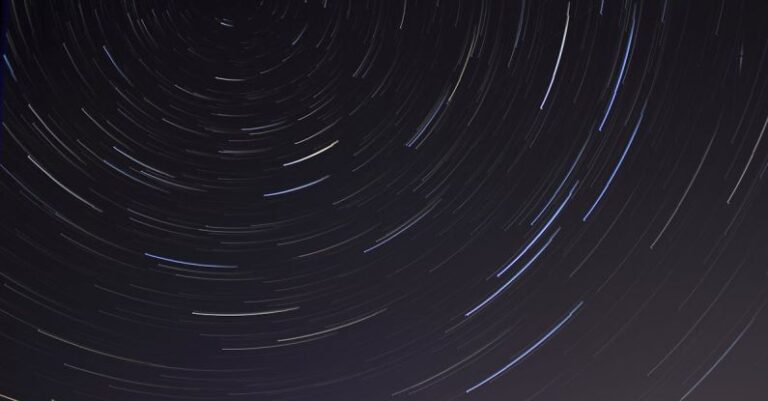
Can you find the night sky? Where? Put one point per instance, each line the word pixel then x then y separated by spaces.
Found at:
pixel 368 200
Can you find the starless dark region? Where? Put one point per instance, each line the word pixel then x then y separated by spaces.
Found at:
pixel 384 200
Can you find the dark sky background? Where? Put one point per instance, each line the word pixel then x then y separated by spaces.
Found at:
pixel 384 200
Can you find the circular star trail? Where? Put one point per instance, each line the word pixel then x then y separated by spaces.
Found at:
pixel 384 200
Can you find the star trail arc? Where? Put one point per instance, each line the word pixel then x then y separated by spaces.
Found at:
pixel 374 200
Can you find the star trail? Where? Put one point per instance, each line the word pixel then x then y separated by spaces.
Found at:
pixel 384 200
